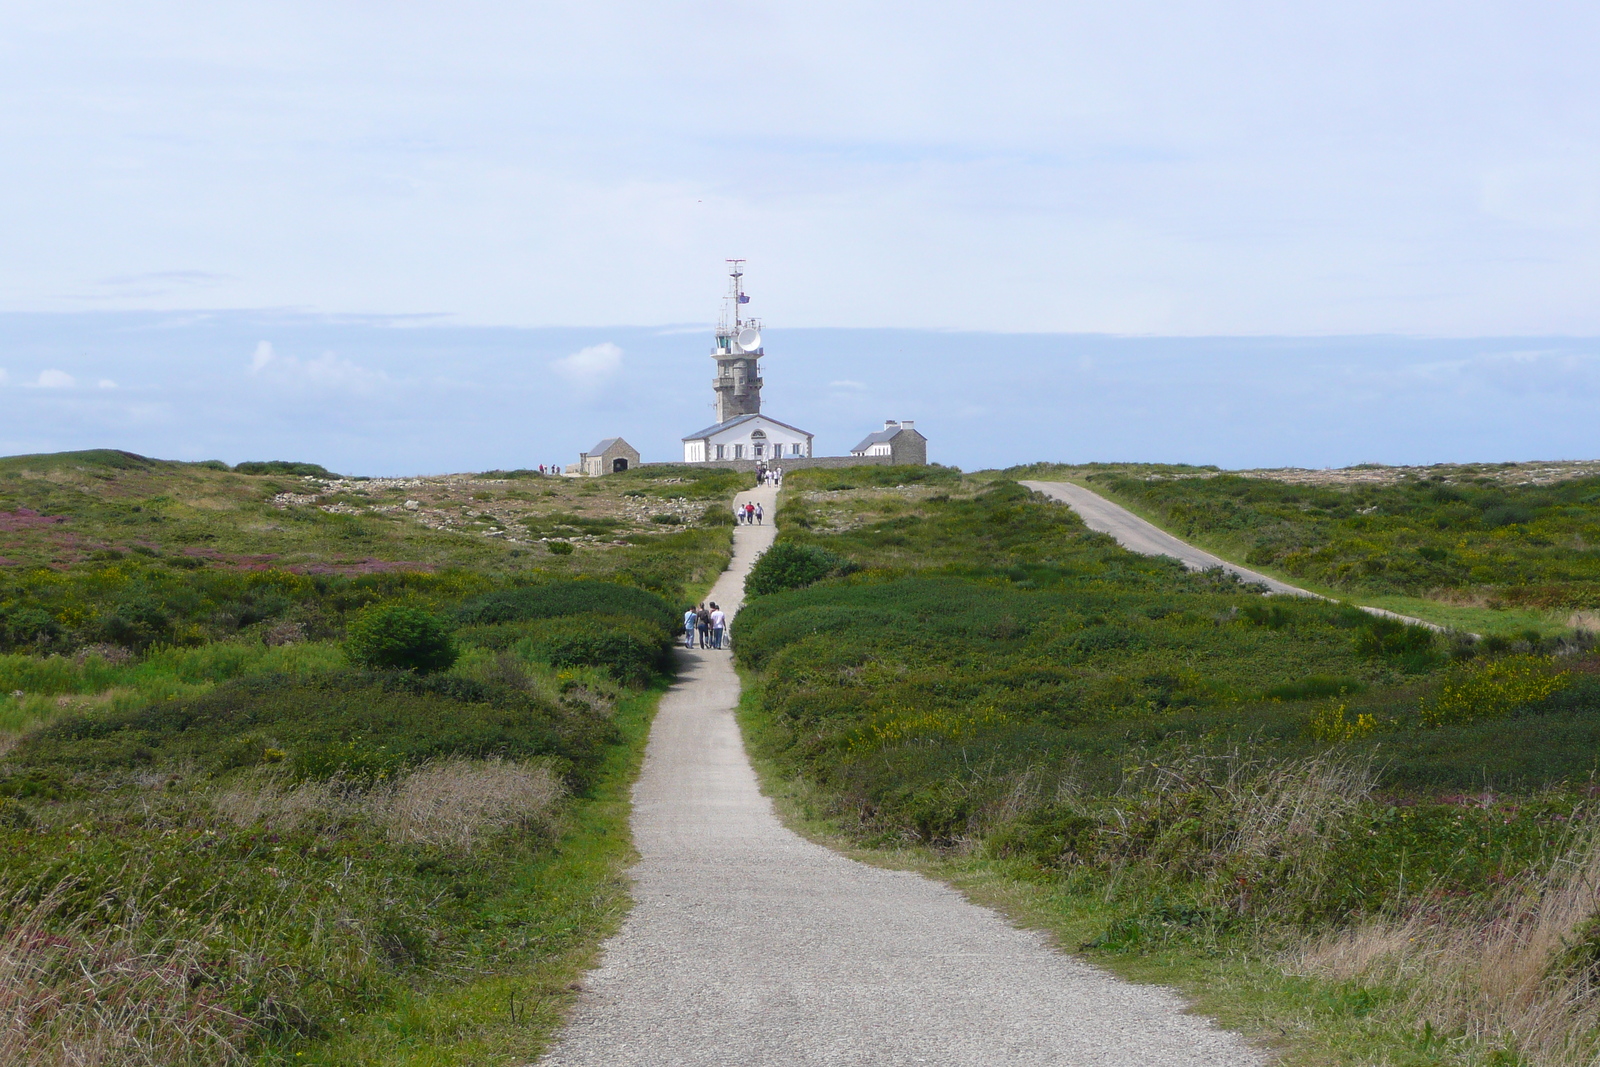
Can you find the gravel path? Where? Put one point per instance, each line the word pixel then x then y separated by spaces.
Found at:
pixel 748 945
pixel 1147 539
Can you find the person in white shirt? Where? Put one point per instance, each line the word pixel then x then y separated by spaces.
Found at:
pixel 690 619
pixel 719 623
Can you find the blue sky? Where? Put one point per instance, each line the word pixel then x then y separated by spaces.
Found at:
pixel 397 194
pixel 369 395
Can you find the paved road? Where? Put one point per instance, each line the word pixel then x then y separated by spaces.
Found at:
pixel 1137 535
pixel 749 946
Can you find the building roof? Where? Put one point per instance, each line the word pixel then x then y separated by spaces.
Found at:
pixel 878 438
pixel 607 443
pixel 712 431
pixel 882 437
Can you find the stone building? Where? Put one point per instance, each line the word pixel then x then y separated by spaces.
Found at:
pixel 611 456
pixel 741 431
pixel 900 441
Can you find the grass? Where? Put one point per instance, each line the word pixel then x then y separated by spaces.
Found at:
pixel 1194 783
pixel 1462 546
pixel 226 846
pixel 576 896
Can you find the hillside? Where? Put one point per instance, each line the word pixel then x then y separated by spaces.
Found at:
pixel 1311 818
pixel 301 768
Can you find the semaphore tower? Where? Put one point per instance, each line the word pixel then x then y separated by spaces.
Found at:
pixel 737 352
pixel 741 431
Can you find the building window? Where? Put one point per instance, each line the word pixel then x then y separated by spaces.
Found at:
pixel 738 451
pixel 719 451
pixel 760 449
pixel 797 450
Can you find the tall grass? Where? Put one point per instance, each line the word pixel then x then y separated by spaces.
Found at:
pixel 1520 968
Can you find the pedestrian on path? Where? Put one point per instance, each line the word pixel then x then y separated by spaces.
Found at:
pixel 702 621
pixel 759 513
pixel 719 623
pixel 691 622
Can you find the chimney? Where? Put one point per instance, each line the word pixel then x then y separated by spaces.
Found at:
pixel 907 424
pixel 890 424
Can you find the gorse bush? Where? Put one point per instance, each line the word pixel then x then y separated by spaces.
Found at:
pixel 787 565
pixel 399 637
pixel 1493 690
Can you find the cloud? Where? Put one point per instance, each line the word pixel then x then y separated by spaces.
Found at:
pixel 54 379
pixel 589 368
pixel 105 383
pixel 327 373
pixel 4 377
pixel 845 383
pixel 262 356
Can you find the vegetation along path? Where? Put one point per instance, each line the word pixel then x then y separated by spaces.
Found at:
pixel 750 945
pixel 1146 538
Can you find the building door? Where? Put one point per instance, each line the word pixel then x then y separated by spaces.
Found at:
pixel 619 465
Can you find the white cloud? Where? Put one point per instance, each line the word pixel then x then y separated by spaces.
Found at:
pixel 54 379
pixel 106 383
pixel 845 383
pixel 262 356
pixel 327 373
pixel 4 377
pixel 589 368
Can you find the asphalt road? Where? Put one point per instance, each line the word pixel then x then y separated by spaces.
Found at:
pixel 1137 535
pixel 749 946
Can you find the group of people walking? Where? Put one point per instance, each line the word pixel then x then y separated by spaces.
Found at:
pixel 748 514
pixel 708 622
pixel 772 476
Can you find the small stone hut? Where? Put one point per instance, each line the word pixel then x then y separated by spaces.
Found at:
pixel 611 456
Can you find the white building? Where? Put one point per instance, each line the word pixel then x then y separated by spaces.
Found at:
pixel 756 437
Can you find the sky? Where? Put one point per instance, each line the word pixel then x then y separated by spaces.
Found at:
pixel 385 396
pixel 1253 199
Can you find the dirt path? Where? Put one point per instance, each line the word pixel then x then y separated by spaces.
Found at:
pixel 750 946
pixel 1138 535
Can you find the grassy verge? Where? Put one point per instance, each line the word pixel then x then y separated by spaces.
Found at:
pixel 572 899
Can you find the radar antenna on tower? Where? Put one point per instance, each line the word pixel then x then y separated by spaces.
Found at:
pixel 738 347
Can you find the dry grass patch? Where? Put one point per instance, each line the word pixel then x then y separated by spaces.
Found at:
pixel 452 803
pixel 1522 970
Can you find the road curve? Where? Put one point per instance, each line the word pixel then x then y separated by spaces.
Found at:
pixel 750 946
pixel 1147 539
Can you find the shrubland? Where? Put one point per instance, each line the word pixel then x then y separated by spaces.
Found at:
pixel 296 811
pixel 1502 538
pixel 1349 804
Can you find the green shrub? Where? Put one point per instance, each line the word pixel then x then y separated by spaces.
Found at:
pixel 282 466
pixel 630 649
pixel 567 598
pixel 787 565
pixel 1384 636
pixel 352 723
pixel 399 637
